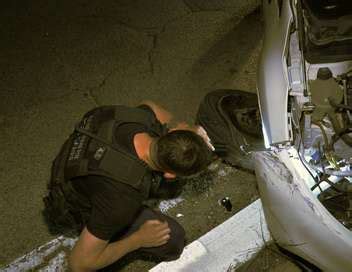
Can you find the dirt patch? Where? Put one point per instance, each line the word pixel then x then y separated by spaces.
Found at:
pixel 270 259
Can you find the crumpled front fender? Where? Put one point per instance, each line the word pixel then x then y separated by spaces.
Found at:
pixel 296 219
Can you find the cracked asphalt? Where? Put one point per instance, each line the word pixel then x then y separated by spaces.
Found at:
pixel 59 59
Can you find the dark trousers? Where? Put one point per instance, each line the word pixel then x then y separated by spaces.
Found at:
pixel 174 246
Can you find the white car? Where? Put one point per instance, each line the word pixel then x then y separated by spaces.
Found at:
pixel 300 145
pixel 305 98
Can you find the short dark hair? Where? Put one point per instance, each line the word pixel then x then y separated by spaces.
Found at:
pixel 183 152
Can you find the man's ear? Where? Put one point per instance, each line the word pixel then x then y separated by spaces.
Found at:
pixel 169 175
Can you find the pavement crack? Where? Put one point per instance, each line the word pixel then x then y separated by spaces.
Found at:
pixel 105 79
pixel 178 18
pixel 138 29
pixel 92 97
pixel 166 24
pixel 120 22
pixel 151 52
pixel 192 7
pixel 91 91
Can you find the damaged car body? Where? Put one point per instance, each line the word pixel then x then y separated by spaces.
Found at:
pixel 305 100
pixel 296 133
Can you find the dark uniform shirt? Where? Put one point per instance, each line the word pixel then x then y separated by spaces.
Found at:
pixel 114 205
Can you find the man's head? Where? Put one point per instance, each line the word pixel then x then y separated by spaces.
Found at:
pixel 180 152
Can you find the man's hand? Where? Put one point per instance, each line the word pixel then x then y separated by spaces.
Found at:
pixel 202 133
pixel 153 233
pixel 91 253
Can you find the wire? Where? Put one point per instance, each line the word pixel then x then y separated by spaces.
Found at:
pixel 330 172
pixel 303 161
pixel 325 137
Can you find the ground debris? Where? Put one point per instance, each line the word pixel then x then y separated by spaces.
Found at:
pixel 269 259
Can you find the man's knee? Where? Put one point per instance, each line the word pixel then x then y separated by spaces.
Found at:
pixel 175 245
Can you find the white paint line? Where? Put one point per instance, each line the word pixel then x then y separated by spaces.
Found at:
pixel 56 264
pixel 233 242
pixel 170 203
pixel 38 256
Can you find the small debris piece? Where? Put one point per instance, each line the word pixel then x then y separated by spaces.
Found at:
pixel 222 173
pixel 179 215
pixel 226 203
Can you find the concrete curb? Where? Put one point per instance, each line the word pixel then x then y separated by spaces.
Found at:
pixel 225 247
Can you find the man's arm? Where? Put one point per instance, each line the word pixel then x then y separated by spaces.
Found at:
pixel 91 253
pixel 166 117
pixel 161 114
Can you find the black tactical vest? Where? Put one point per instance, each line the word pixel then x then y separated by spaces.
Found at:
pixel 92 150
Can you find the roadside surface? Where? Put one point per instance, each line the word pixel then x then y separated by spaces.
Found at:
pixel 60 59
pixel 268 260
